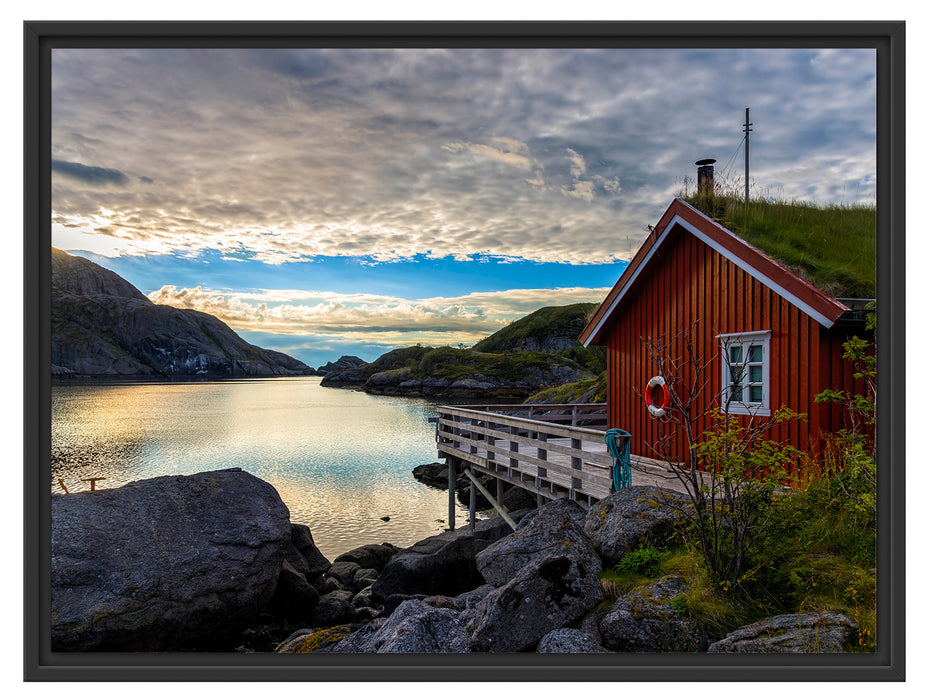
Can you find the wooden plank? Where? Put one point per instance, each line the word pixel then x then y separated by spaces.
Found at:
pixel 535 425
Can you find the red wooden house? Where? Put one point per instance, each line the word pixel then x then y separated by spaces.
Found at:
pixel 770 338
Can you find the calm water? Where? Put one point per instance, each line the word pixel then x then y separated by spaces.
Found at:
pixel 340 459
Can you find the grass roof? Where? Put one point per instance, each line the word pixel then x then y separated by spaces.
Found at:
pixel 833 247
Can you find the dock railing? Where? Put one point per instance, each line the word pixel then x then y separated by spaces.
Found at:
pixel 552 450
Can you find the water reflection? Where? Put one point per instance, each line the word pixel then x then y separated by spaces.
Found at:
pixel 341 460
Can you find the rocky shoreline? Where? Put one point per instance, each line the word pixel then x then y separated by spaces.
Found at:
pixel 211 562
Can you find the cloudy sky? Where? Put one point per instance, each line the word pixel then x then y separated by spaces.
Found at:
pixel 351 201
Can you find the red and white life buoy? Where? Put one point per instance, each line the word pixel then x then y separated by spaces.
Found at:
pixel 657 410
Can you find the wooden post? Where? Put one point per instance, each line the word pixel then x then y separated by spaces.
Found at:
pixel 576 464
pixel 472 501
pixel 515 448
pixel 500 490
pixel 451 480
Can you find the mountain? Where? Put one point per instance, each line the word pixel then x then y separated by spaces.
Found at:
pixel 102 326
pixel 344 362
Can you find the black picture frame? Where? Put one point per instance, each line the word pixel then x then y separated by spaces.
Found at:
pixel 886 664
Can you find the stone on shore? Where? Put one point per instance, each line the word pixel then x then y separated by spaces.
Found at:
pixel 569 641
pixel 646 620
pixel 441 564
pixel 631 517
pixel 164 564
pixel 435 474
pixel 369 556
pixel 551 530
pixel 545 595
pixel 805 633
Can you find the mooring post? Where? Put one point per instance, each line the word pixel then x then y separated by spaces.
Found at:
pixel 451 480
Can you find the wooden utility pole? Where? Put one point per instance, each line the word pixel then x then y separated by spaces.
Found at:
pixel 747 131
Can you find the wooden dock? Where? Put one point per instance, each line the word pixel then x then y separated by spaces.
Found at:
pixel 551 450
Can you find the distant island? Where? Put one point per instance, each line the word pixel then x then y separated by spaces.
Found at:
pixel 537 353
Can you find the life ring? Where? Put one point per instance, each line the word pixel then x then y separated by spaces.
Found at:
pixel 657 411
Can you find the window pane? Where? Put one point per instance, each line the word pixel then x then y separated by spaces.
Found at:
pixel 736 354
pixel 737 375
pixel 756 394
pixel 756 373
pixel 737 394
pixel 755 354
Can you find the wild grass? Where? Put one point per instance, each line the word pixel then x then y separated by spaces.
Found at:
pixel 583 391
pixel 831 246
pixel 821 556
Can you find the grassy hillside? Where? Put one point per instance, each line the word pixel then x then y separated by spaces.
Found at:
pixel 452 363
pixel 832 247
pixel 552 329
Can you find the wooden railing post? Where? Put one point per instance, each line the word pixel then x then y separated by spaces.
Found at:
pixel 541 471
pixel 515 447
pixel 472 501
pixel 576 463
pixel 451 482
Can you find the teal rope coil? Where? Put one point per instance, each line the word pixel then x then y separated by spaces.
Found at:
pixel 620 472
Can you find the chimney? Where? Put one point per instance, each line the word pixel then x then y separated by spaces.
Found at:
pixel 705 175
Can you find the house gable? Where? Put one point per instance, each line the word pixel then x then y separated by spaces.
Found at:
pixel 682 216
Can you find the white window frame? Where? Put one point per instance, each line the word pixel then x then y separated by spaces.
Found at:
pixel 745 407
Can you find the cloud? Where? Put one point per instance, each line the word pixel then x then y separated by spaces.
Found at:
pixel 577 167
pixel 580 189
pixel 550 155
pixel 515 158
pixel 379 319
pixel 89 173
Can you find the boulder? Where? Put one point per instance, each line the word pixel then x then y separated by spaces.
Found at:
pixel 334 609
pixel 294 598
pixel 435 474
pixel 303 554
pixel 546 595
pixel 562 509
pixel 805 633
pixel 633 516
pixel 369 556
pixel 418 628
pixel 646 620
pixel 310 641
pixel 515 498
pixel 443 563
pixel 569 641
pixel 164 564
pixel 343 571
pixel 392 602
pixel 413 628
pixel 363 599
pixel 551 530
pixel 363 578
pixel 470 599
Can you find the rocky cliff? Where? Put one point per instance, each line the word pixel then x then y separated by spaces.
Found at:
pixel 102 326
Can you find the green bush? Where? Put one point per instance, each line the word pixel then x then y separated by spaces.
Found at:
pixel 643 561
